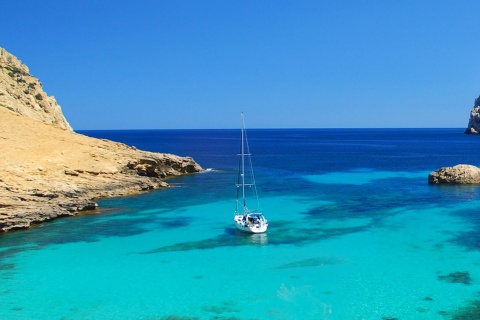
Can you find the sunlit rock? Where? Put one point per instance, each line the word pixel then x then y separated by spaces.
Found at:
pixel 459 174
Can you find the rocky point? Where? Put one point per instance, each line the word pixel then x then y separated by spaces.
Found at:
pixel 48 171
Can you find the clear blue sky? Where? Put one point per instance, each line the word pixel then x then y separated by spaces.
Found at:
pixel 197 64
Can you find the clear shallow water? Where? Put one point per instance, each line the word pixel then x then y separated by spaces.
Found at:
pixel 355 233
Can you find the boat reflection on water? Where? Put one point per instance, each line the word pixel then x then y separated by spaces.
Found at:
pixel 242 238
pixel 257 238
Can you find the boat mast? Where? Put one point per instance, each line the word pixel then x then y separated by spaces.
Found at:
pixel 243 164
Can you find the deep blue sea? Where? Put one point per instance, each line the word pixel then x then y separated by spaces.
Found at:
pixel 356 232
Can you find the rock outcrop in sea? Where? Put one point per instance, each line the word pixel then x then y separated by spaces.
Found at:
pixel 459 174
pixel 462 173
pixel 48 171
pixel 474 121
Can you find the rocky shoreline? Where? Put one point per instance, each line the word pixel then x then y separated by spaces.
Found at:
pixel 48 171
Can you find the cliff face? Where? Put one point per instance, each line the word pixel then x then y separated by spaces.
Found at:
pixel 22 93
pixel 474 121
pixel 47 170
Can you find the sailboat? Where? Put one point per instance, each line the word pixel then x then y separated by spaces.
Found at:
pixel 247 220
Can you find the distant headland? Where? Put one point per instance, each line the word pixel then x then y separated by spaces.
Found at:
pixel 474 121
pixel 48 171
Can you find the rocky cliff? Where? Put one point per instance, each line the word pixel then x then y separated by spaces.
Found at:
pixel 47 170
pixel 22 93
pixel 474 121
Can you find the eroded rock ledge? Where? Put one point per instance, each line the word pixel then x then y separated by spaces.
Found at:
pixel 459 174
pixel 47 171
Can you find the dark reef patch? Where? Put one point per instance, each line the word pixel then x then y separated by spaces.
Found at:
pixel 224 308
pixel 6 292
pixel 469 312
pixel 457 277
pixel 173 317
pixel 6 266
pixel 280 234
pixel 176 222
pixel 469 239
pixel 87 228
pixel 12 251
pixel 313 262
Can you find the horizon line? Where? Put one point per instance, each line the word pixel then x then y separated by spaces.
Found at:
pixel 284 128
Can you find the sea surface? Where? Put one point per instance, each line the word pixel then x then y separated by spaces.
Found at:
pixel 356 232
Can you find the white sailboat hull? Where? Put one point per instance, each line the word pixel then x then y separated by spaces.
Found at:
pixel 244 226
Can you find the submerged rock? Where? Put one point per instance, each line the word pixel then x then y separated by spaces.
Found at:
pixel 462 277
pixel 470 311
pixel 459 174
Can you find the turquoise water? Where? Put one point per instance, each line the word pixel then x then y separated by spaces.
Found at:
pixel 346 240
